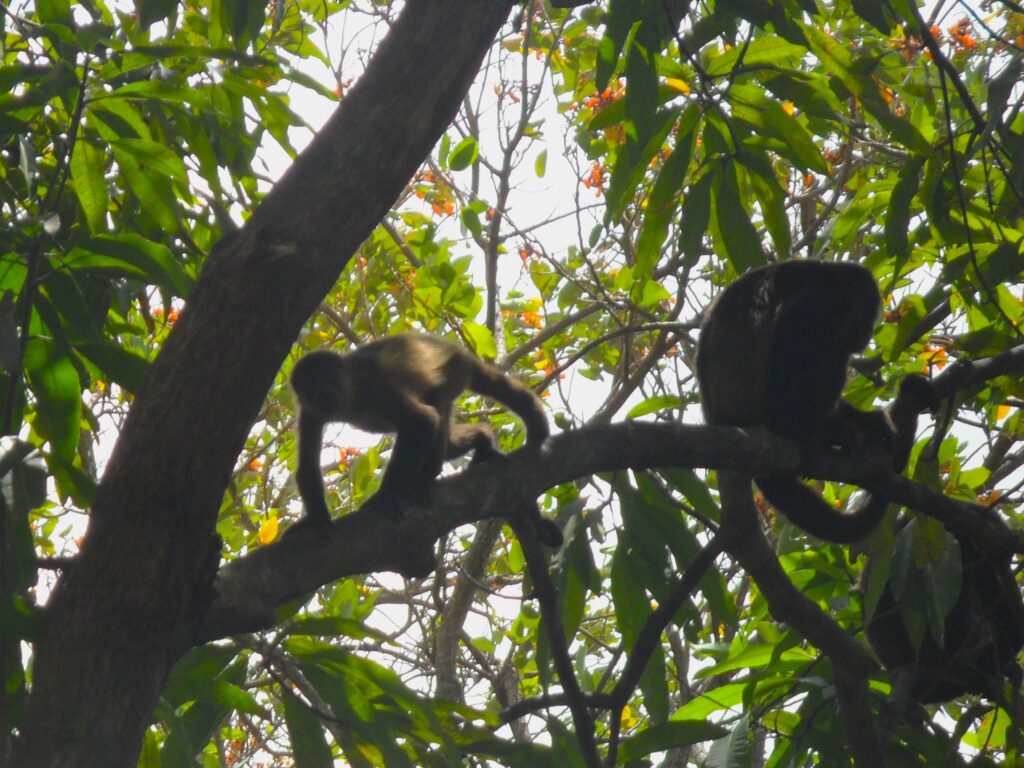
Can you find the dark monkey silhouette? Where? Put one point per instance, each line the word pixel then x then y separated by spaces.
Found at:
pixel 774 351
pixel 983 631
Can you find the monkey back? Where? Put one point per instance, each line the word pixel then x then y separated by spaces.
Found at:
pixel 775 344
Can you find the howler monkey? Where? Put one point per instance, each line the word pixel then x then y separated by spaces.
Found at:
pixel 981 635
pixel 774 350
pixel 983 631
pixel 405 384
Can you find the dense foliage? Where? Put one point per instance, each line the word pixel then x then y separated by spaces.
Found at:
pixel 700 139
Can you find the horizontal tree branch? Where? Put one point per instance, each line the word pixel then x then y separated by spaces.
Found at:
pixel 248 590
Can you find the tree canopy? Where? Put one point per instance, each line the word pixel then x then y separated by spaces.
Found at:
pixel 563 187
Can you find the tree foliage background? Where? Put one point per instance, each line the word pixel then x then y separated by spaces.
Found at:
pixel 611 168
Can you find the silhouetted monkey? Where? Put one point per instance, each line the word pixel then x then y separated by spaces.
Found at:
pixel 984 630
pixel 405 384
pixel 982 635
pixel 774 351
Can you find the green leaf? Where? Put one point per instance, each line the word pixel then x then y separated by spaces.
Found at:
pixel 736 233
pixel 654 405
pixel 578 576
pixel 607 116
pixel 632 164
pixel 115 116
pixel 79 302
pixel 481 339
pixel 654 685
pixel 766 116
pixel 23 479
pixel 622 14
pixel 773 199
pixel 897 216
pixel 124 368
pixel 135 255
pixel 233 697
pixel 670 735
pixel 155 157
pixel 58 392
pixel 464 154
pixel 305 733
pixel 734 749
pixel 155 196
pixel 54 11
pixel 647 293
pixel 246 19
pixel 10 344
pixel 333 626
pixel 540 165
pixel 71 480
pixel 632 605
pixel 641 97
pixel 695 214
pixel 664 197
pixel 471 221
pixel 151 11
pixel 877 13
pixel 87 167
pixel 768 51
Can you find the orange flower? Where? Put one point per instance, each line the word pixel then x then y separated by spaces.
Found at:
pixel 935 354
pixel 347 455
pixel 532 320
pixel 989 498
pixel 595 180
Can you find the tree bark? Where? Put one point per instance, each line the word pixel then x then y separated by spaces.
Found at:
pixel 249 589
pixel 142 583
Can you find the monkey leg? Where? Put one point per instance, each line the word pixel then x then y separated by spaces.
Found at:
pixel 418 453
pixel 478 438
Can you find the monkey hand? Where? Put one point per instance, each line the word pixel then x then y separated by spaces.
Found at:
pixel 309 526
pixel 390 503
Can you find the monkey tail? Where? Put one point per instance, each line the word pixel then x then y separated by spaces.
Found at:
pixel 491 382
pixel 805 507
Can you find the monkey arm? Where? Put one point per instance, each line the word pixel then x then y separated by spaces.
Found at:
pixel 308 477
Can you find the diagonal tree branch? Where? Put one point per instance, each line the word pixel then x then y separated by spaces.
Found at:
pixel 141 585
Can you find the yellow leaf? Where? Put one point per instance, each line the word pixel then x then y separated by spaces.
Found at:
pixel 268 530
pixel 1002 411
pixel 679 85
pixel 788 108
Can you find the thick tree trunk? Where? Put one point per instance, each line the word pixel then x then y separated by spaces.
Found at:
pixel 142 583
